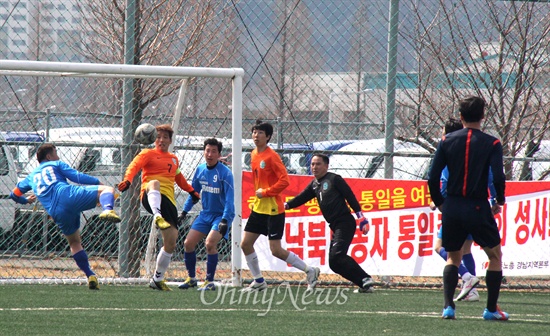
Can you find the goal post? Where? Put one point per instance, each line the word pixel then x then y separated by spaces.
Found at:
pixel 120 71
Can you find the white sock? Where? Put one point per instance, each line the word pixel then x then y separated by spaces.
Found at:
pixel 163 261
pixel 466 276
pixel 153 196
pixel 254 265
pixel 295 261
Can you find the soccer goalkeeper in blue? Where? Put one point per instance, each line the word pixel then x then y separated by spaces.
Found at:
pixel 214 181
pixel 64 202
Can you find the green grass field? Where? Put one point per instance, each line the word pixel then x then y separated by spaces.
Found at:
pixel 281 310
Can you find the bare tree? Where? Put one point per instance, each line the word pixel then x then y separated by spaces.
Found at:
pixel 172 33
pixel 499 52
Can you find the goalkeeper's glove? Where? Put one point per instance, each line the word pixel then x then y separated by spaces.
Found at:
pixel 363 223
pixel 223 227
pixel 182 217
pixel 123 186
pixel 195 197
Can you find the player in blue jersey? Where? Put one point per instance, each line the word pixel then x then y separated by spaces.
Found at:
pixel 467 268
pixel 214 181
pixel 64 202
pixel 469 153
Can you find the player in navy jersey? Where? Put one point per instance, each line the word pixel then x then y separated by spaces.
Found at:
pixel 214 181
pixel 469 153
pixel 467 268
pixel 64 202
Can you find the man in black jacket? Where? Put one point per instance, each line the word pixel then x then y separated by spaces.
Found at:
pixel 468 154
pixel 332 192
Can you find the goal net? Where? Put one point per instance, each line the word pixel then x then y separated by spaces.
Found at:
pixel 90 112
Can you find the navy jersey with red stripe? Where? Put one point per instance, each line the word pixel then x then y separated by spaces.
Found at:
pixel 468 153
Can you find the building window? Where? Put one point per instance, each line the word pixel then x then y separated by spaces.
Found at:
pixel 19 17
pixel 19 30
pixel 19 42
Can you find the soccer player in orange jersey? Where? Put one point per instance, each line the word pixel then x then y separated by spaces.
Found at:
pixel 160 169
pixel 268 212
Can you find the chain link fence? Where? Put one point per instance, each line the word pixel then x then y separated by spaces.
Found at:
pixel 338 76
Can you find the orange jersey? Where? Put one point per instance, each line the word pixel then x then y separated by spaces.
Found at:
pixel 269 174
pixel 160 166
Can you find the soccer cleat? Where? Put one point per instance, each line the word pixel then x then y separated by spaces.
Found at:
pixel 255 287
pixel 207 286
pixel 467 287
pixel 161 223
pixel 472 297
pixel 188 283
pixel 448 313
pixel 159 285
pixel 109 216
pixel 367 282
pixel 364 290
pixel 312 276
pixel 499 315
pixel 92 282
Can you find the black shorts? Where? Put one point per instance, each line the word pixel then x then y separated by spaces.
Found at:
pixel 167 209
pixel 272 226
pixel 462 216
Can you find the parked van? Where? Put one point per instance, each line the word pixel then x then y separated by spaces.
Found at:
pixel 365 159
pixel 8 180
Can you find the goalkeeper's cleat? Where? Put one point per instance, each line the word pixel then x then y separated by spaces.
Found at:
pixel 207 286
pixel 467 287
pixel 364 290
pixel 448 313
pixel 109 216
pixel 499 315
pixel 160 222
pixel 188 283
pixel 159 285
pixel 92 282
pixel 312 277
pixel 367 282
pixel 255 287
pixel 473 296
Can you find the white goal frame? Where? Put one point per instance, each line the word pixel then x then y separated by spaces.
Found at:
pixel 91 70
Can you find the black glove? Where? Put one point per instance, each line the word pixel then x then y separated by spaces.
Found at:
pixel 222 227
pixel 182 217
pixel 123 186
pixel 195 196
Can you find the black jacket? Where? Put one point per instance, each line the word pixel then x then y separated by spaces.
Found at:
pixel 331 192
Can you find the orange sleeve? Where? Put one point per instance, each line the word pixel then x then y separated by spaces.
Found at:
pixel 281 174
pixel 182 182
pixel 136 165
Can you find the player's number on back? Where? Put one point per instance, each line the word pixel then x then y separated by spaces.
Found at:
pixel 44 179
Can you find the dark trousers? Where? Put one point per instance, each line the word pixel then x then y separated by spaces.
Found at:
pixel 338 259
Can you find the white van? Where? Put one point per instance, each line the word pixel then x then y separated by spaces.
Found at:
pixel 8 180
pixel 365 159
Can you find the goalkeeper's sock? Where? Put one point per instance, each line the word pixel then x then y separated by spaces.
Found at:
pixel 295 261
pixel 81 259
pixel 443 253
pixel 254 265
pixel 493 280
pixel 163 261
pixel 450 280
pixel 190 263
pixel 469 262
pixel 107 200
pixel 154 198
pixel 211 263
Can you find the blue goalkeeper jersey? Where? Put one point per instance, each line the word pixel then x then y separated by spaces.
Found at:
pixel 48 180
pixel 215 184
